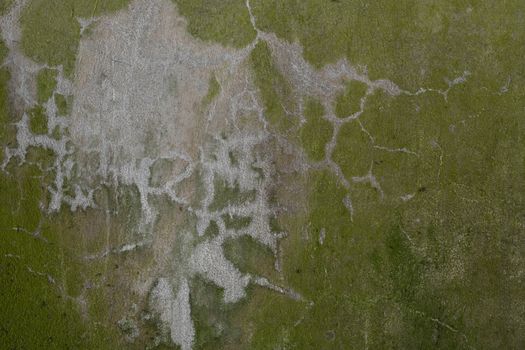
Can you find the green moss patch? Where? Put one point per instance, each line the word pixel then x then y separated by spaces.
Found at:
pixel 226 22
pixel 36 312
pixel 211 316
pixel 412 271
pixel 249 256
pixel 226 195
pixel 316 132
pixel 46 83
pixel 38 120
pixel 402 41
pixel 5 6
pixel 64 104
pixel 3 51
pixel 51 32
pixel 353 151
pixel 275 90
pixel 7 131
pixel 212 230
pixel 236 222
pixel 214 88
pixel 349 102
pixel 42 156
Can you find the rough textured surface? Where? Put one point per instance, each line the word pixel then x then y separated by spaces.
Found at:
pixel 262 174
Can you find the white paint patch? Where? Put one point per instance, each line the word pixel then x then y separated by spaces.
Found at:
pixel 175 311
pixel 139 77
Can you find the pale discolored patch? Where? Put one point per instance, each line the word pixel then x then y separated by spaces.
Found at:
pixel 139 77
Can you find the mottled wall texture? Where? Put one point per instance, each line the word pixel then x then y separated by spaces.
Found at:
pixel 262 174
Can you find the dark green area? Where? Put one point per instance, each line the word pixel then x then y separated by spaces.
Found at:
pixel 249 255
pixel 353 151
pixel 349 102
pixel 45 158
pixel 214 88
pixel 3 51
pixel 275 90
pixel 212 230
pixel 274 225
pixel 226 195
pixel 64 104
pixel 42 264
pixel 7 129
pixel 233 158
pixel 226 22
pixel 38 120
pixel 5 5
pixel 316 132
pixel 439 270
pixel 51 32
pixel 435 271
pixel 411 42
pixel 236 222
pixel 394 279
pixel 46 83
pixel 211 317
pixel 161 171
pixel 36 312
